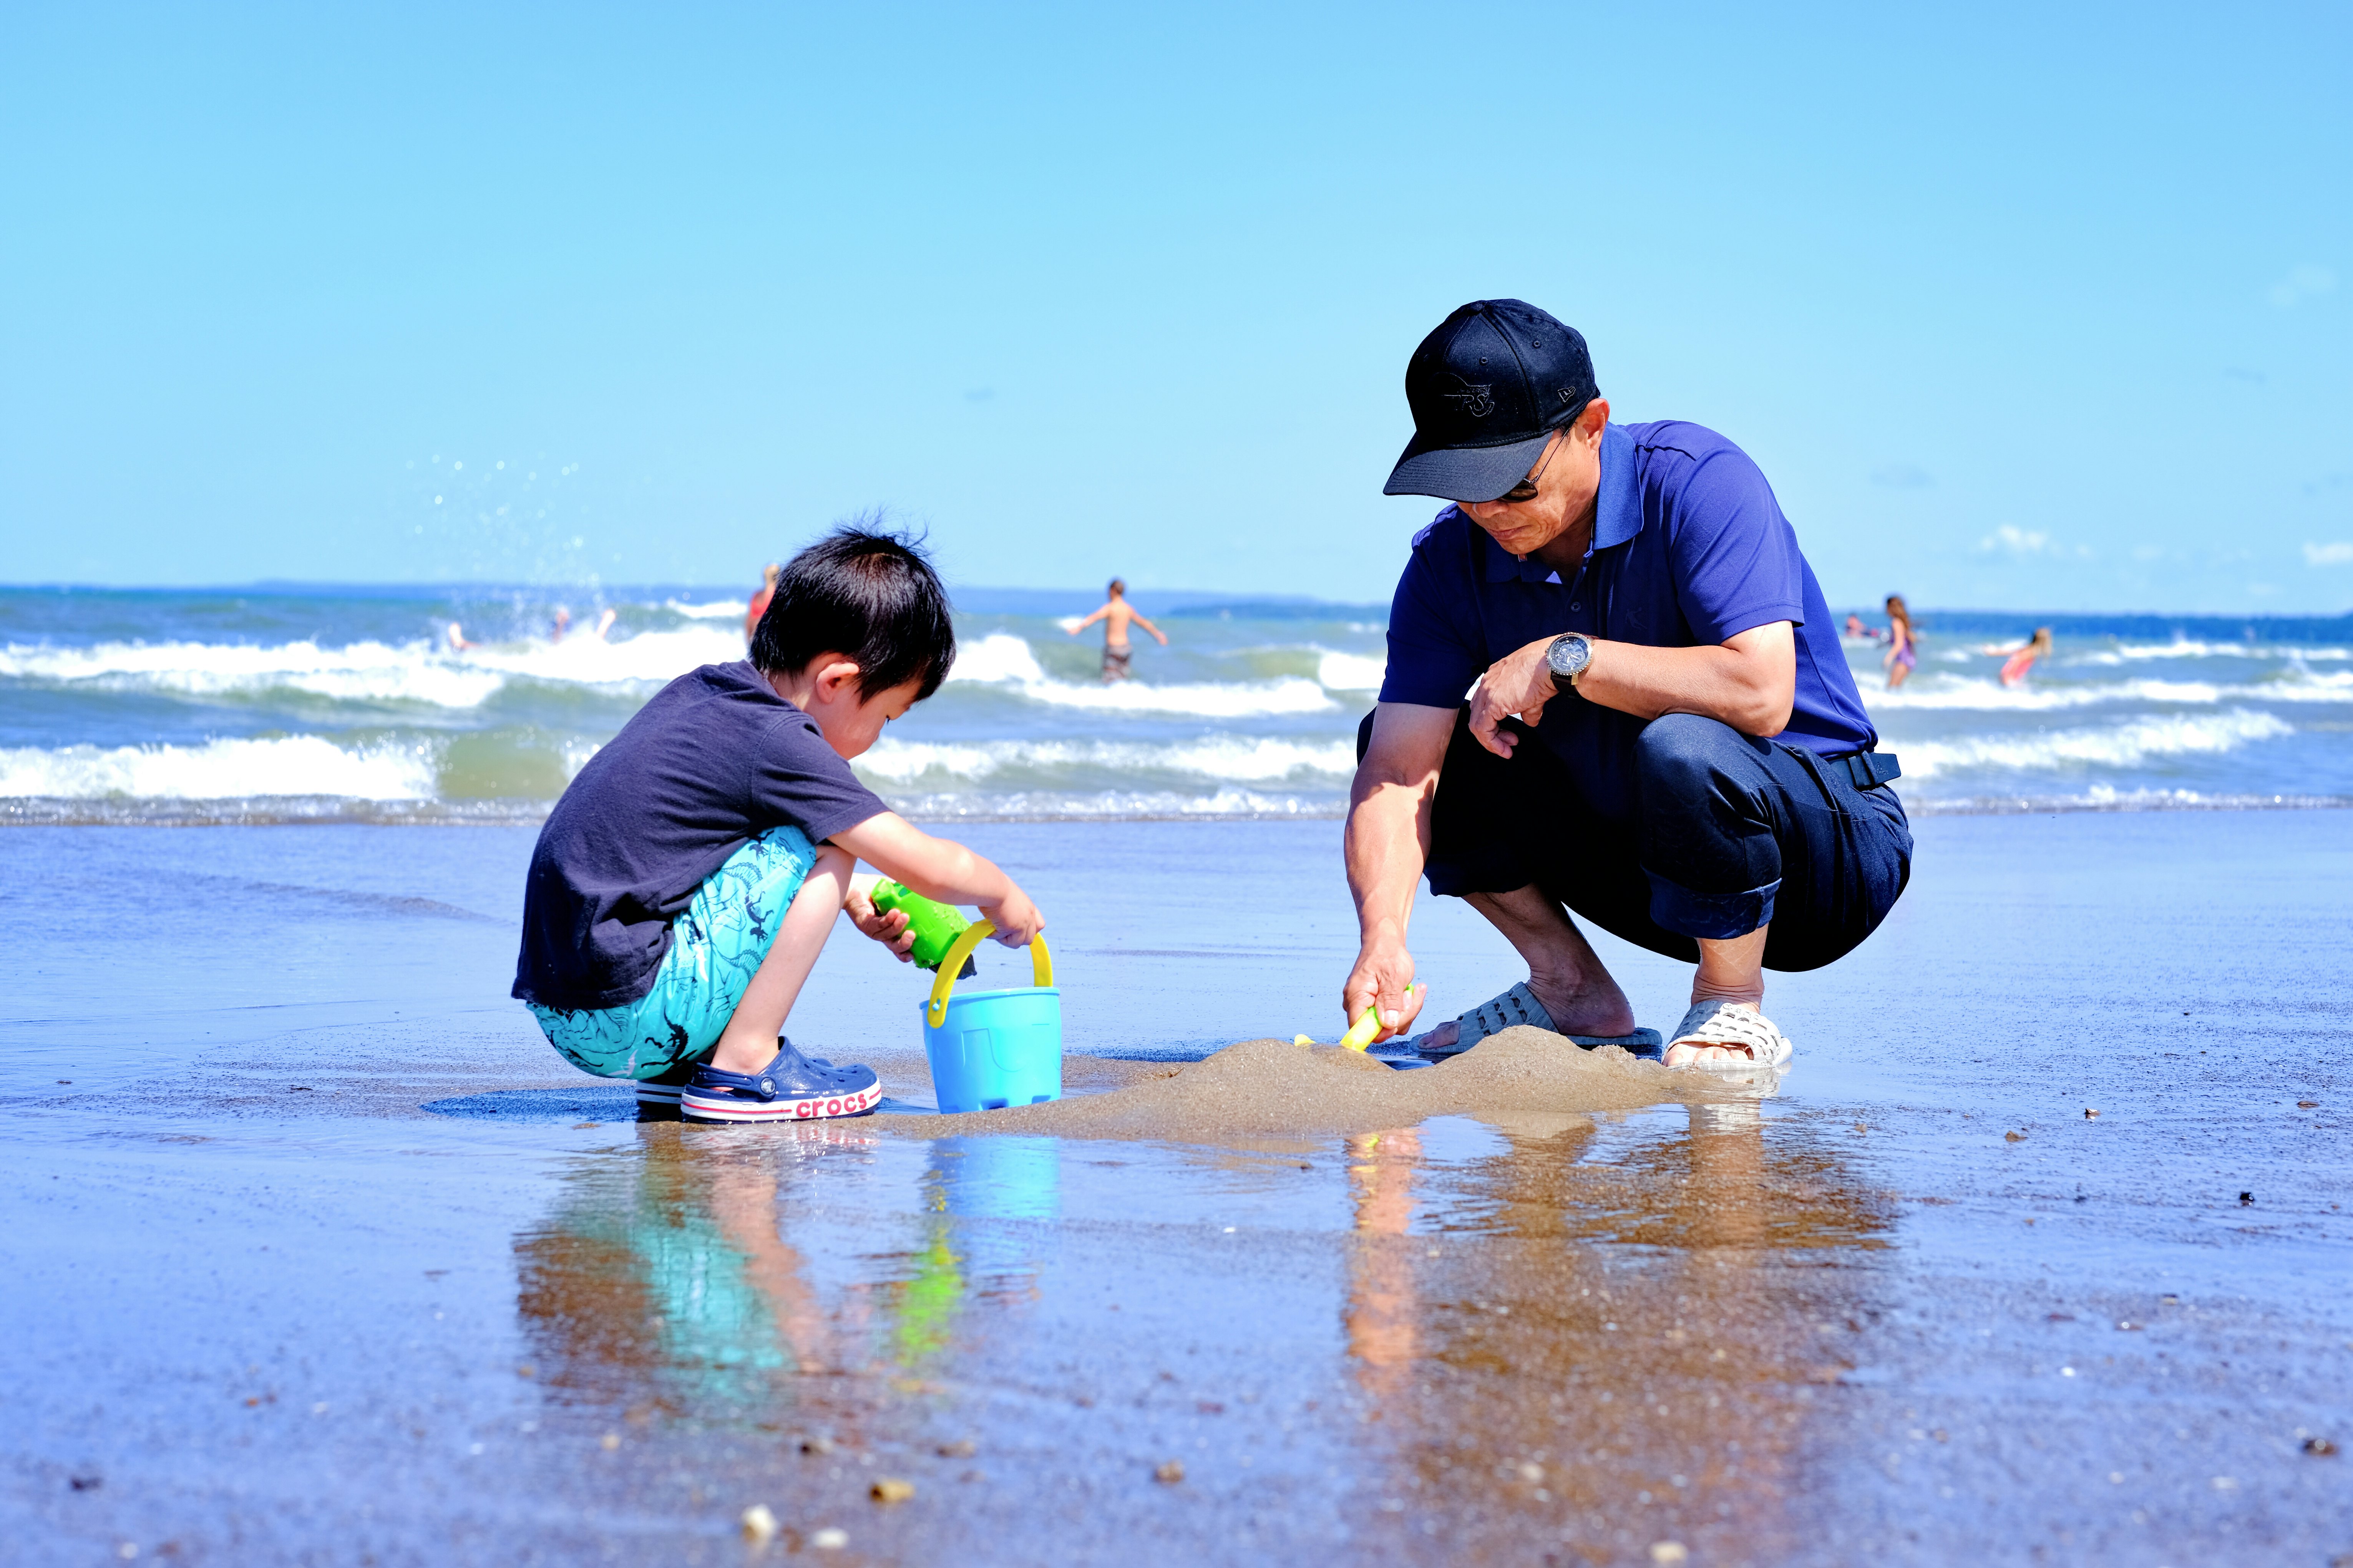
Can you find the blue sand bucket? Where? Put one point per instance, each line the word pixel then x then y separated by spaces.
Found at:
pixel 989 1049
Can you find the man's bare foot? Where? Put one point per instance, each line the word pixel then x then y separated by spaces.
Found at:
pixel 1593 1008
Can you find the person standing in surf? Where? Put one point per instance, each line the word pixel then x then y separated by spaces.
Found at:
pixel 1116 614
pixel 1661 732
pixel 1903 653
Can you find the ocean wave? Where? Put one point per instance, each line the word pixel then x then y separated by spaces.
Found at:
pixel 2190 648
pixel 2117 745
pixel 1338 671
pixel 218 770
pixel 374 671
pixel 1060 806
pixel 2103 797
pixel 1228 758
pixel 1003 659
pixel 716 610
pixel 1950 691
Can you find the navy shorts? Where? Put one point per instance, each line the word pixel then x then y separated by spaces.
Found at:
pixel 1730 832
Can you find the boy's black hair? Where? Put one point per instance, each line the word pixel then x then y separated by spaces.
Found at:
pixel 865 592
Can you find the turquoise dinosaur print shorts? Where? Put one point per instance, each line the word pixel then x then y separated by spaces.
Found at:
pixel 716 946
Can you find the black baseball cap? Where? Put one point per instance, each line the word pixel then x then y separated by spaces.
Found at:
pixel 1486 388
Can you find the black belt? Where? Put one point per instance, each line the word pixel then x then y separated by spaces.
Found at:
pixel 1869 770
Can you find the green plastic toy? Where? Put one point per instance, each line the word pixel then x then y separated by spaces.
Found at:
pixel 937 926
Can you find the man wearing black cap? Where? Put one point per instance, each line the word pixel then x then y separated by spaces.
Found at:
pixel 1660 731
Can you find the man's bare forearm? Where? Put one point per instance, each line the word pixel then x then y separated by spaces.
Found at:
pixel 1387 843
pixel 1740 688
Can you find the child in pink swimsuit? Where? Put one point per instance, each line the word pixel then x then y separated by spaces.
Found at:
pixel 2019 661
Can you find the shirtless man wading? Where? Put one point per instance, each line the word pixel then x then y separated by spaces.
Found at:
pixel 1660 731
pixel 1115 615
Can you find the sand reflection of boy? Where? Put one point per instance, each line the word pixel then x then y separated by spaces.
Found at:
pixel 666 1278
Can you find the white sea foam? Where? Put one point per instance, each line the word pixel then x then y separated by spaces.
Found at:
pixel 1004 660
pixel 1948 691
pixel 650 659
pixel 1957 692
pixel 2187 648
pixel 1253 759
pixel 1062 804
pixel 1350 671
pixel 716 610
pixel 1001 657
pixel 220 770
pixel 2116 746
pixel 373 672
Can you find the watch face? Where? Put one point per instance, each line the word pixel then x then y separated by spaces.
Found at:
pixel 1569 655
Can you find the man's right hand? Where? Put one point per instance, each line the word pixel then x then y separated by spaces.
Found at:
pixel 1383 978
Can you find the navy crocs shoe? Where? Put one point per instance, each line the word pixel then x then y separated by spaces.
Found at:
pixel 791 1088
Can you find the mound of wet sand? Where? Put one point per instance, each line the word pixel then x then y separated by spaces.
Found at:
pixel 1273 1087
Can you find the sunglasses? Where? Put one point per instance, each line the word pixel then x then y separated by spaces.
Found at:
pixel 1525 491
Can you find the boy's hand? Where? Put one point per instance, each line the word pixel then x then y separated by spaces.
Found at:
pixel 1015 918
pixel 890 930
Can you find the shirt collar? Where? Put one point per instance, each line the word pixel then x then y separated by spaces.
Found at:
pixel 1617 514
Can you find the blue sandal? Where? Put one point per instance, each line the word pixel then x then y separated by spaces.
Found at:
pixel 791 1088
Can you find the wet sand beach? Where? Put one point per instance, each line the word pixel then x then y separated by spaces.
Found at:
pixel 320 1253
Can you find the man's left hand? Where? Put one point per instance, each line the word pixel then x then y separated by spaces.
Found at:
pixel 1518 683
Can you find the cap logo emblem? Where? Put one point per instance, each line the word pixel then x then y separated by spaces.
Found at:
pixel 1474 401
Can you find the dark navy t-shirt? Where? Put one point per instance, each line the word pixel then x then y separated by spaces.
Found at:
pixel 1689 548
pixel 716 757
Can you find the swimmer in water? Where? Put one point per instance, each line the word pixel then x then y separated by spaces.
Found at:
pixel 2017 661
pixel 1116 614
pixel 1855 629
pixel 1903 643
pixel 563 620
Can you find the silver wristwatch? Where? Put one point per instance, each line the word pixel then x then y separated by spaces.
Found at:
pixel 1567 658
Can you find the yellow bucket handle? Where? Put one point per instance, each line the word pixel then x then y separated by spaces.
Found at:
pixel 1041 966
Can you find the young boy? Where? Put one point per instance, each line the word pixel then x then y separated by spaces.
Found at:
pixel 1115 615
pixel 686 881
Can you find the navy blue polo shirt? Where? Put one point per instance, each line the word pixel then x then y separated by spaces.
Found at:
pixel 1689 548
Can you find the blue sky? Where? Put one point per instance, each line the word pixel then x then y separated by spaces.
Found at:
pixel 2018 307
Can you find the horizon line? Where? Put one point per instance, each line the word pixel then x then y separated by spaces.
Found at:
pixel 1202 595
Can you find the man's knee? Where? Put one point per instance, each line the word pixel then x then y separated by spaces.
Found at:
pixel 1681 755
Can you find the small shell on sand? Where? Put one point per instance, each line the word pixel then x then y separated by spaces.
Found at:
pixel 891 1490
pixel 759 1522
pixel 1270 1086
pixel 1173 1470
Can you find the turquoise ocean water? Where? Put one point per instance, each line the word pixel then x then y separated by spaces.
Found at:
pixel 293 702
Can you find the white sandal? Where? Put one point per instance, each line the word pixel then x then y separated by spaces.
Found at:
pixel 1738 1027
